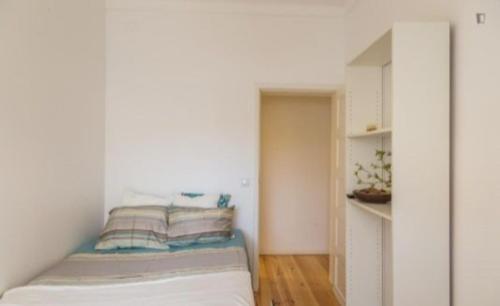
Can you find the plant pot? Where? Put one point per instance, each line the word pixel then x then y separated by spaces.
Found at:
pixel 375 196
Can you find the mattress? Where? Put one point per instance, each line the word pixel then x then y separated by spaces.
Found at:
pixel 232 288
pixel 210 274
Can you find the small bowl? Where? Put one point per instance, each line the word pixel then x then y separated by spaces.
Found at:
pixel 380 198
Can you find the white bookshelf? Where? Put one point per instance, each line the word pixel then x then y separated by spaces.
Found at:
pixel 401 84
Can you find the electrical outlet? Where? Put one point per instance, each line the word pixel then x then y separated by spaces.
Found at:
pixel 481 18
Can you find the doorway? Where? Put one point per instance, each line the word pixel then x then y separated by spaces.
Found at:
pixel 298 133
pixel 295 174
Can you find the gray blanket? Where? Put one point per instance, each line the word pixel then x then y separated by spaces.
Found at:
pixel 94 269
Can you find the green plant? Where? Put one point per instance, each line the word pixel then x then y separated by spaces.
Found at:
pixel 381 175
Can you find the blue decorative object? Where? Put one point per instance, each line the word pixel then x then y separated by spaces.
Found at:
pixel 224 200
pixel 192 194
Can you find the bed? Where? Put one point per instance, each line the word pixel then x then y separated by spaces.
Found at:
pixel 205 274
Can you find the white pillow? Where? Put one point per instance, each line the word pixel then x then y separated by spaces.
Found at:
pixel 202 201
pixel 132 198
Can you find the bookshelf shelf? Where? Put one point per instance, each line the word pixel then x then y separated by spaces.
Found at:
pixel 381 132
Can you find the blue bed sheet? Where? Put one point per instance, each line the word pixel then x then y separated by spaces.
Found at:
pixel 238 240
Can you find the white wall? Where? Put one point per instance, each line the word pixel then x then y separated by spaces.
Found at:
pixel 475 74
pixel 51 132
pixel 476 147
pixel 295 174
pixel 182 91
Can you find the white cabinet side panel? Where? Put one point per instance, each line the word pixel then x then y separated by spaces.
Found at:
pixel 421 203
pixel 387 225
pixel 364 106
pixel 364 230
pixel 364 89
pixel 387 96
pixel 364 247
pixel 387 263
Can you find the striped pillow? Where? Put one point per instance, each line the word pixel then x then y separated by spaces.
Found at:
pixel 188 225
pixel 135 227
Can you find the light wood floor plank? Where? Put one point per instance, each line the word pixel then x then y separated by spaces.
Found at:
pixel 264 293
pixel 299 288
pixel 281 294
pixel 295 281
pixel 317 277
pixel 324 261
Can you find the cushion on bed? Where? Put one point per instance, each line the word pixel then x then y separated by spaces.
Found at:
pixel 132 198
pixel 199 225
pixel 194 199
pixel 237 240
pixel 135 227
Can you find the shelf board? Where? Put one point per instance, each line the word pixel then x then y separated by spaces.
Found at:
pixel 381 132
pixel 381 210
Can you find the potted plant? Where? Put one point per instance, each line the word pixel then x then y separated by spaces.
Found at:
pixel 378 179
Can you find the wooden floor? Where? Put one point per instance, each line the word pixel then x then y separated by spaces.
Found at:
pixel 295 280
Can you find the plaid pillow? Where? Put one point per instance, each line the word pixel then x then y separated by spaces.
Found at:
pixel 188 225
pixel 135 227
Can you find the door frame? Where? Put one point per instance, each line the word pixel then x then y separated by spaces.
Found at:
pixel 337 197
pixel 282 89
